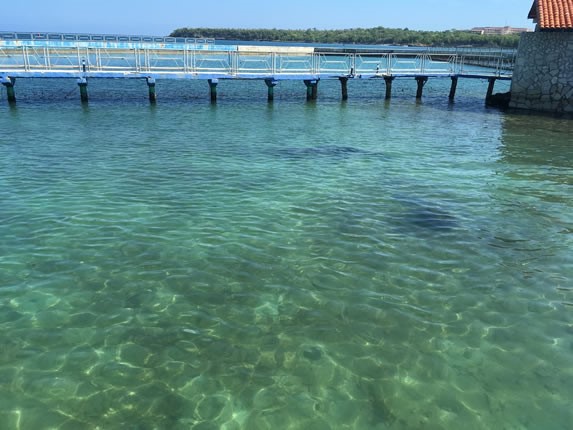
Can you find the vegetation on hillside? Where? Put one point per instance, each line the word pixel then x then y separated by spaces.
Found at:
pixel 366 36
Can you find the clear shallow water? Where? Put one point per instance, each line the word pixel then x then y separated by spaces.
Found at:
pixel 360 265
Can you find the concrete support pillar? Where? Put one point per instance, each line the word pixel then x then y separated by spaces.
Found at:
pixel 388 80
pixel 344 87
pixel 83 84
pixel 213 87
pixel 453 88
pixel 9 84
pixel 271 84
pixel 311 89
pixel 315 90
pixel 491 84
pixel 421 80
pixel 151 86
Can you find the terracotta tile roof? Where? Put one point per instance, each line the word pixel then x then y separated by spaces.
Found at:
pixel 553 14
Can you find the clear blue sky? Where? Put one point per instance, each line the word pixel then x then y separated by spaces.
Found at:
pixel 161 17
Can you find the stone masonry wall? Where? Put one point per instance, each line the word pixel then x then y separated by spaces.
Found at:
pixel 543 74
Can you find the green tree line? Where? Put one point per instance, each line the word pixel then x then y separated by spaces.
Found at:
pixel 366 36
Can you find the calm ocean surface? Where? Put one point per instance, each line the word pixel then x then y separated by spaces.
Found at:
pixel 360 265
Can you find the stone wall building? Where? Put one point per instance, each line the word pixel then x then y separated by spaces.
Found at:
pixel 543 74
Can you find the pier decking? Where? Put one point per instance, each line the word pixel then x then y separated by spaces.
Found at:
pixel 40 55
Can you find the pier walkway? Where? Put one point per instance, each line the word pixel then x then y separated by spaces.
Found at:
pixel 50 55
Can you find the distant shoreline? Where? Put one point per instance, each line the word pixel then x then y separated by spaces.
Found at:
pixel 363 36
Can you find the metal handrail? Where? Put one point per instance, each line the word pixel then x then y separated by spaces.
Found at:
pixel 240 63
pixel 81 37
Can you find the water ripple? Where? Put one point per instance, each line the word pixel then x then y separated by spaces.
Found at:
pixel 313 266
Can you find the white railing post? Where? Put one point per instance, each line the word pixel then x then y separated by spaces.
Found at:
pixel 147 60
pixel 98 59
pixel 26 59
pixel 47 57
pixel 191 60
pixel 390 58
pixel 353 61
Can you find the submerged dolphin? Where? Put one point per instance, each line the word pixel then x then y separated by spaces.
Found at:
pixel 431 218
pixel 426 215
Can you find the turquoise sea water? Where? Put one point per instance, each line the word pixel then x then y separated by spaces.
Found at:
pixel 328 265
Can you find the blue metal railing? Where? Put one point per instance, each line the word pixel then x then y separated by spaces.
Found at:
pixel 4 35
pixel 53 55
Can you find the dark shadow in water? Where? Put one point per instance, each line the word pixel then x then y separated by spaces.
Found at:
pixel 380 413
pixel 431 218
pixel 328 151
pixel 538 150
pixel 539 140
pixel 13 109
pixel 425 215
pixel 85 107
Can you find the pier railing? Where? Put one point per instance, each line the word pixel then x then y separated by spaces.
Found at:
pixel 167 59
pixel 85 37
